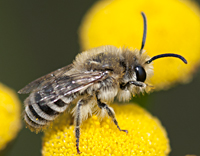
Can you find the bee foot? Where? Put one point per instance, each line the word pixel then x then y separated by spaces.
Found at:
pixel 125 131
pixel 78 151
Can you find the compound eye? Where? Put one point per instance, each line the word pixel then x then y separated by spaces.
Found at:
pixel 140 73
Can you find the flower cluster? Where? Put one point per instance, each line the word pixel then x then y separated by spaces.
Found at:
pixel 10 113
pixel 146 136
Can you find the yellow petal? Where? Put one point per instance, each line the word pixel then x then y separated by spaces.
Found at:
pixel 172 27
pixel 146 136
pixel 10 113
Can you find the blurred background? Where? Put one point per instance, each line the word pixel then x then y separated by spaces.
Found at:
pixel 37 37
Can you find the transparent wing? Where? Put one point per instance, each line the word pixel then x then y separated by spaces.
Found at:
pixel 64 86
pixel 47 78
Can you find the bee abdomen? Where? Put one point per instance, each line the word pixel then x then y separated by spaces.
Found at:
pixel 38 115
pixel 32 125
pixel 33 116
pixel 58 106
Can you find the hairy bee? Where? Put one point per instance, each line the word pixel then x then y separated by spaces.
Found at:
pixel 94 79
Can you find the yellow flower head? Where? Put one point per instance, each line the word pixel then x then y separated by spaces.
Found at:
pixel 10 122
pixel 146 136
pixel 172 27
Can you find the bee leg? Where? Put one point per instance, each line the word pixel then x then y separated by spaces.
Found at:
pixel 110 113
pixel 124 86
pixel 77 121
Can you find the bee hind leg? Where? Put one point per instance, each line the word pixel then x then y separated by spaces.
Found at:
pixel 77 120
pixel 110 113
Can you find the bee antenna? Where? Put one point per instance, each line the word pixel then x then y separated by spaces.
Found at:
pixel 144 31
pixel 167 55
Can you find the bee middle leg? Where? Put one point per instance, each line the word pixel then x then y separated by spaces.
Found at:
pixel 110 113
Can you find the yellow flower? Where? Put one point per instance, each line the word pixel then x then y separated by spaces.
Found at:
pixel 172 27
pixel 10 122
pixel 146 136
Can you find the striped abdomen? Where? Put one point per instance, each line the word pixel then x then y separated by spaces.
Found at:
pixel 40 114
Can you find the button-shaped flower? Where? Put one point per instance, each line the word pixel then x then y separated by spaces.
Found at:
pixel 146 136
pixel 10 115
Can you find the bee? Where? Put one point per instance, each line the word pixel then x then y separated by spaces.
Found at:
pixel 93 80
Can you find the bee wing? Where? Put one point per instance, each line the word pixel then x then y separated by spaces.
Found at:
pixel 49 77
pixel 66 85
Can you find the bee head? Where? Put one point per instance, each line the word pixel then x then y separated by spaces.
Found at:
pixel 139 70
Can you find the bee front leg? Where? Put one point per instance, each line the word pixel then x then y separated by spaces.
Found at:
pixel 110 113
pixel 124 86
